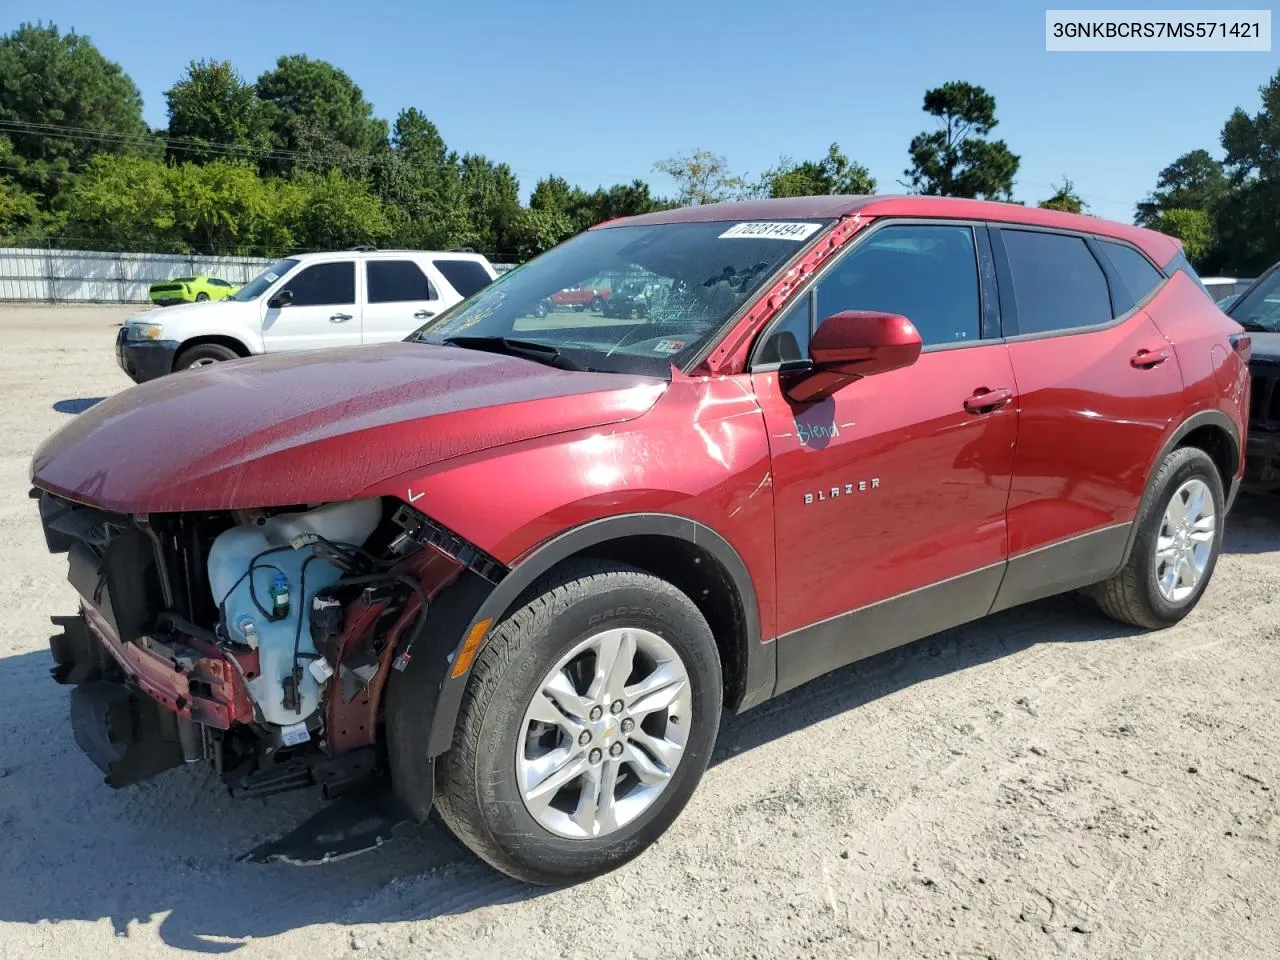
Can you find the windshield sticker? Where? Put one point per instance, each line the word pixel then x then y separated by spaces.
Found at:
pixel 271 277
pixel 771 230
pixel 668 346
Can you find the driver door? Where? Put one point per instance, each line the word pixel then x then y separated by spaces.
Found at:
pixel 890 494
pixel 324 312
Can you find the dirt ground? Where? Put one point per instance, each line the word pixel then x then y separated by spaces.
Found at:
pixel 1040 784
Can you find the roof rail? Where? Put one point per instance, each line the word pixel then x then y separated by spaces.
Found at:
pixel 364 249
pixel 460 250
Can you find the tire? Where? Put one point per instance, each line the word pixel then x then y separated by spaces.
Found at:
pixel 542 309
pixel 1134 595
pixel 203 354
pixel 597 305
pixel 479 791
pixel 201 297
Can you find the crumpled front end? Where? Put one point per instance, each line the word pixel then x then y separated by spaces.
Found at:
pixel 257 641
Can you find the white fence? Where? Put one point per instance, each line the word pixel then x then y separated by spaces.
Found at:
pixel 33 274
pixel 91 277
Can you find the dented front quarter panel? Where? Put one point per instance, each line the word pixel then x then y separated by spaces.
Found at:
pixel 701 452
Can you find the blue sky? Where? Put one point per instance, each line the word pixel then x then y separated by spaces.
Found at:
pixel 598 92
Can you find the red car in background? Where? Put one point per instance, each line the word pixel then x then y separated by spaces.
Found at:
pixel 580 298
pixel 517 566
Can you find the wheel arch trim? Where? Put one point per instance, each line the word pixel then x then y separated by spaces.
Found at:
pixel 760 667
pixel 1203 418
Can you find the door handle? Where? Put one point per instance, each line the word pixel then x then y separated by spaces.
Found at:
pixel 340 318
pixel 423 314
pixel 1146 359
pixel 984 401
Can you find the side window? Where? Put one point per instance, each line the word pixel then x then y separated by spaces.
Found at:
pixel 465 276
pixel 789 340
pixel 324 285
pixel 929 274
pixel 395 281
pixel 1057 283
pixel 1136 273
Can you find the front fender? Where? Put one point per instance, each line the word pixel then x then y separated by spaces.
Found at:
pixel 695 468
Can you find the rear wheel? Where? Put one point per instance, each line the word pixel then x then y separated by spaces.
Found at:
pixel 587 722
pixel 597 304
pixel 201 297
pixel 1177 545
pixel 202 355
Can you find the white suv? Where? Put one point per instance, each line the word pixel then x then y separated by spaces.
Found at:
pixel 304 302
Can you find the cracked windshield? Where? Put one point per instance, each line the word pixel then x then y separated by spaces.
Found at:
pixel 632 299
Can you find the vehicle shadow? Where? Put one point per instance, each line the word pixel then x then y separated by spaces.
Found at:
pixel 1253 525
pixel 164 850
pixel 76 404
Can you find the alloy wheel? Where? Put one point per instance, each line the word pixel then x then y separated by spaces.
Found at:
pixel 604 733
pixel 1186 540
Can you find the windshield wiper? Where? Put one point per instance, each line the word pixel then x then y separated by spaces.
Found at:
pixel 527 349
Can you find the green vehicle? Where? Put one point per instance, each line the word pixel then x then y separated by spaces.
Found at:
pixel 190 290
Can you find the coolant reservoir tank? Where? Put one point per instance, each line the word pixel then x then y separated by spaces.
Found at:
pixel 349 522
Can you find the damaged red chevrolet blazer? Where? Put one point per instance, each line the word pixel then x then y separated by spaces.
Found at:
pixel 516 567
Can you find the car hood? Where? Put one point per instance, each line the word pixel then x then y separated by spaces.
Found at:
pixel 312 427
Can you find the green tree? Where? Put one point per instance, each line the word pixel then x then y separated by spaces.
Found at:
pixel 1193 227
pixel 1248 228
pixel 1064 199
pixel 123 203
pixel 314 108
pixel 1195 181
pixel 419 180
pixel 958 160
pixel 224 207
pixel 490 195
pixel 833 174
pixel 213 104
pixel 535 230
pixel 702 177
pixel 334 211
pixel 61 102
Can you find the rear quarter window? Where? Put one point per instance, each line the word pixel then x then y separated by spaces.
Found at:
pixel 465 276
pixel 1136 273
pixel 1180 262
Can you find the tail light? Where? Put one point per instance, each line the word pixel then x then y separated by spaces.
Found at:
pixel 1242 344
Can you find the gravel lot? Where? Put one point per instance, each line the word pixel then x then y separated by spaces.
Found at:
pixel 1040 784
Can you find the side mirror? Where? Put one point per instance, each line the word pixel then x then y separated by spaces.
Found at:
pixel 281 299
pixel 853 344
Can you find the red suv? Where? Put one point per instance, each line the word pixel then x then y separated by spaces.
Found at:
pixel 516 566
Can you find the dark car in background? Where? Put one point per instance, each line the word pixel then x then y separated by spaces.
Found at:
pixel 1257 309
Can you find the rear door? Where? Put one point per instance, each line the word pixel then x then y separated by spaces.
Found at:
pixel 324 311
pixel 1098 384
pixel 399 298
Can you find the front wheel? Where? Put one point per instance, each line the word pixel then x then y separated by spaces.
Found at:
pixel 587 722
pixel 201 297
pixel 1176 548
pixel 202 355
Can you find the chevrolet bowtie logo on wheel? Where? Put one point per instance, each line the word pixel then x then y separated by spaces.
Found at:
pixel 848 489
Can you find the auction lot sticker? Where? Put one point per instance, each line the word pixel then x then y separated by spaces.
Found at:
pixel 771 230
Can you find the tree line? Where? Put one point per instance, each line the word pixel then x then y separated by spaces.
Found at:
pixel 1226 212
pixel 297 160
